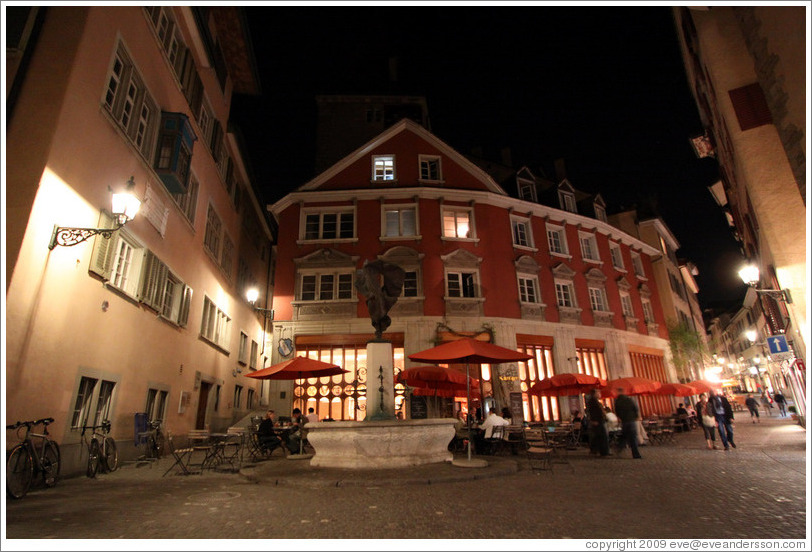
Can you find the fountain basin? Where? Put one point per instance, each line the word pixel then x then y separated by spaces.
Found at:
pixel 382 444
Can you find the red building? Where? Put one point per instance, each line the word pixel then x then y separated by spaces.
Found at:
pixel 569 288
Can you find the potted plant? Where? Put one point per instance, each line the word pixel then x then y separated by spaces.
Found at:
pixel 793 412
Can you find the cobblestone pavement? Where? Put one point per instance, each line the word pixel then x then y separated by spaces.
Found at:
pixel 679 490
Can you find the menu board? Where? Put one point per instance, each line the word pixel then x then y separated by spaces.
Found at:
pixel 417 408
pixel 516 407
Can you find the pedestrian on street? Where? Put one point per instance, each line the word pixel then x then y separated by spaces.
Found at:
pixel 782 404
pixel 720 406
pixel 628 413
pixel 765 400
pixel 598 438
pixel 707 421
pixel 752 406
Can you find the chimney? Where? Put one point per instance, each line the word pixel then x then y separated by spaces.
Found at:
pixel 560 170
pixel 507 159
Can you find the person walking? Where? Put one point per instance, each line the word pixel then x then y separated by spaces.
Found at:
pixel 782 404
pixel 598 438
pixel 752 406
pixel 768 405
pixel 707 421
pixel 721 409
pixel 628 413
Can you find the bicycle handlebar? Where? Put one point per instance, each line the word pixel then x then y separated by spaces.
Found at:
pixel 30 423
pixel 105 426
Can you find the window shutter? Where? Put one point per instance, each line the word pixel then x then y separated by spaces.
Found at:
pixel 750 106
pixel 101 261
pixel 153 279
pixel 183 315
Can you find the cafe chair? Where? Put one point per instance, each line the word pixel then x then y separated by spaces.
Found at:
pixel 539 455
pixel 182 457
pixel 496 441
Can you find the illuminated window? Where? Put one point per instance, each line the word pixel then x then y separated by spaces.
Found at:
pixel 383 167
pixel 457 223
pixel 540 366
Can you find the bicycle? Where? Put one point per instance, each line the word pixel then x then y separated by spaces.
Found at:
pixel 155 441
pixel 101 449
pixel 26 458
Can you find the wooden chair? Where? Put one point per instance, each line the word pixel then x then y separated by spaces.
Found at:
pixel 496 441
pixel 539 455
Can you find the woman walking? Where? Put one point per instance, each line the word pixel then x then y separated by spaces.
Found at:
pixel 707 420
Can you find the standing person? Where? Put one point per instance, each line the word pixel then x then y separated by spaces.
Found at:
pixel 752 405
pixel 707 421
pixel 626 409
pixel 598 439
pixel 312 417
pixel 765 400
pixel 782 404
pixel 723 412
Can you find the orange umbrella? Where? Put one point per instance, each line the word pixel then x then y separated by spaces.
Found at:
pixel 298 368
pixel 676 389
pixel 450 391
pixel 704 386
pixel 561 385
pixel 420 376
pixel 467 350
pixel 631 386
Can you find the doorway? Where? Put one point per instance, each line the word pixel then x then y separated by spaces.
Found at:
pixel 202 404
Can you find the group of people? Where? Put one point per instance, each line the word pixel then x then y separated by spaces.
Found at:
pixel 292 434
pixel 752 405
pixel 714 411
pixel 601 420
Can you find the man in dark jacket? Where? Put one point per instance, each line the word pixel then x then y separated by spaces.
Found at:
pixel 627 411
pixel 598 438
pixel 265 432
pixel 723 413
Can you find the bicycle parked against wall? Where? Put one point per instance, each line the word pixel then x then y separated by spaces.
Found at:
pixel 102 452
pixel 155 441
pixel 28 457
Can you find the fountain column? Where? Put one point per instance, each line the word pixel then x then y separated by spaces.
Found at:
pixel 380 381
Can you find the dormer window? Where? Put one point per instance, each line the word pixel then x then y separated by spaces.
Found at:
pixel 567 201
pixel 430 168
pixel 600 213
pixel 527 189
pixel 383 167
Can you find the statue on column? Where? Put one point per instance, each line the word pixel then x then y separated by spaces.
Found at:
pixel 380 298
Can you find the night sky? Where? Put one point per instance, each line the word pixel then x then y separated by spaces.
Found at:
pixel 603 88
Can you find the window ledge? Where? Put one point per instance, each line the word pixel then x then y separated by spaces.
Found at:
pixel 643 278
pixel 215 345
pixel 301 302
pixel 375 182
pixel 525 248
pixel 620 269
pixel 427 181
pixel 528 304
pixel 561 255
pixel 416 237
pixel 594 261
pixel 328 240
pixel 465 299
pixel 470 240
pixel 574 310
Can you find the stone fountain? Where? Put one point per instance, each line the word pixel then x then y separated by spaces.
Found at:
pixel 381 440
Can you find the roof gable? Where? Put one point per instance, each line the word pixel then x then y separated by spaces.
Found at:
pixel 406 135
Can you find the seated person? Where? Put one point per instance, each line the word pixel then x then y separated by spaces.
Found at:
pixel 682 417
pixel 296 433
pixel 493 420
pixel 612 422
pixel 265 433
pixel 576 416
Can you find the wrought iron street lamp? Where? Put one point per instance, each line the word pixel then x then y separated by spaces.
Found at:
pixel 124 207
pixel 252 295
pixel 750 276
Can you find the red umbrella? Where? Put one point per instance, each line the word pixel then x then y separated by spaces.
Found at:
pixel 631 386
pixel 449 391
pixel 298 368
pixel 676 389
pixel 424 376
pixel 467 350
pixel 561 385
pixel 704 386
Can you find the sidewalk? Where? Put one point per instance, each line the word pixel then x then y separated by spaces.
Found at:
pixel 679 490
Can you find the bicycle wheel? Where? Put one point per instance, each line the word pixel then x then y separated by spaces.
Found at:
pixel 109 459
pixel 159 444
pixel 93 455
pixel 50 464
pixel 19 472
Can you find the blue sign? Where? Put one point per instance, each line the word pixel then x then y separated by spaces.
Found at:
pixel 778 344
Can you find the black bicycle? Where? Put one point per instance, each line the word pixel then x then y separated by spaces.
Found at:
pixel 155 441
pixel 27 457
pixel 102 452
